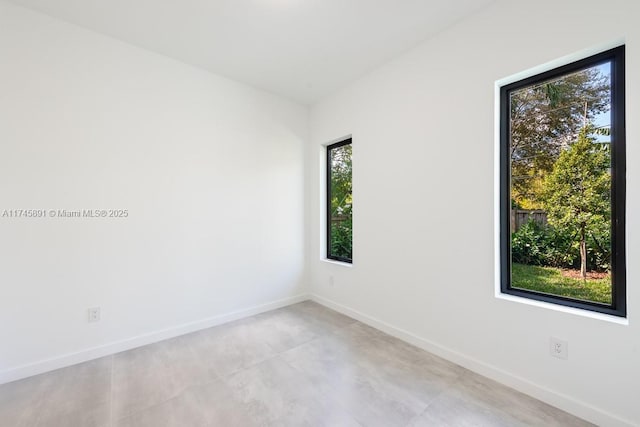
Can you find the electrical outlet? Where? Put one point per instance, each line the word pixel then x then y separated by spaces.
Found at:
pixel 559 348
pixel 94 314
pixel 331 281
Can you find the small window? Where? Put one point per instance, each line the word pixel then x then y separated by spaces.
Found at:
pixel 562 185
pixel 339 202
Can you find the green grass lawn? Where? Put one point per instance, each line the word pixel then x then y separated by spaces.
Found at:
pixel 551 281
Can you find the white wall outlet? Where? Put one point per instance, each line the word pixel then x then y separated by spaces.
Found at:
pixel 559 348
pixel 94 314
pixel 331 281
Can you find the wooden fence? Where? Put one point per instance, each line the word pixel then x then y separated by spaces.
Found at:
pixel 520 217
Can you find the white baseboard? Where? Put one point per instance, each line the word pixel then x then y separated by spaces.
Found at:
pixel 63 361
pixel 559 400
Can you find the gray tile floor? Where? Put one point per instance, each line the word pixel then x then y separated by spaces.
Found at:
pixel 302 365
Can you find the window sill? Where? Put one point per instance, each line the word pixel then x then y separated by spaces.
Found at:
pixel 342 263
pixel 563 309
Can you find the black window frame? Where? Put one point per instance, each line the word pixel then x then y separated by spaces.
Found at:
pixel 618 307
pixel 329 255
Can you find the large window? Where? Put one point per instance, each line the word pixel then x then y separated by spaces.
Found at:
pixel 562 185
pixel 339 203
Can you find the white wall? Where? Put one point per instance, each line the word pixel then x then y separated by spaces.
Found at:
pixel 211 172
pixel 423 144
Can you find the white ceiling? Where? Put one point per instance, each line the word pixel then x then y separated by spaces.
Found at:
pixel 300 49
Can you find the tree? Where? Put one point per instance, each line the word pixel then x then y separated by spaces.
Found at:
pixel 341 202
pixel 577 192
pixel 544 120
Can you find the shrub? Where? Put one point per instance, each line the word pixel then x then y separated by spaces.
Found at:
pixel 536 244
pixel 342 238
pixel 599 248
pixel 544 245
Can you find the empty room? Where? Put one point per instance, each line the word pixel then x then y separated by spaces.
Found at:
pixel 319 213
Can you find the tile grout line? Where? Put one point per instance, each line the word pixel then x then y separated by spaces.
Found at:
pixel 319 337
pixel 155 405
pixel 218 378
pixel 402 362
pixel 281 353
pixel 39 404
pixel 223 377
pixel 266 359
pixel 337 402
pixel 113 420
pixel 431 402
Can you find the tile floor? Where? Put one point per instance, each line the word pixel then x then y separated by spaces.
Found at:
pixel 302 365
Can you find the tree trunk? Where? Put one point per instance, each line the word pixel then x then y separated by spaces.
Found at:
pixel 583 252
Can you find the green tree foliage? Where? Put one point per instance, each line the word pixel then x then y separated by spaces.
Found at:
pixel 544 119
pixel 341 226
pixel 543 245
pixel 547 246
pixel 577 192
